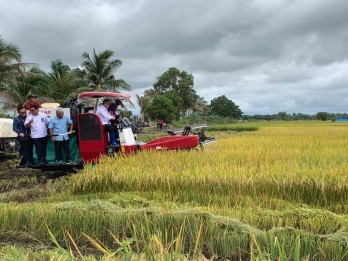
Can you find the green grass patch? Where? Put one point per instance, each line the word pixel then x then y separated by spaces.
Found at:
pixel 232 127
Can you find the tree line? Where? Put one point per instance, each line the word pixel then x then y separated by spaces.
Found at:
pixel 18 79
pixel 172 96
pixel 284 116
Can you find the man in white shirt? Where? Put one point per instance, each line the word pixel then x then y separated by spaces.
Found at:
pixel 105 117
pixel 38 122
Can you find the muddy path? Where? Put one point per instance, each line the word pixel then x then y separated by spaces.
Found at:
pixel 9 170
pixel 22 185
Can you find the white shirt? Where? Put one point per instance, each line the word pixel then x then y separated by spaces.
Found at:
pixel 39 127
pixel 104 115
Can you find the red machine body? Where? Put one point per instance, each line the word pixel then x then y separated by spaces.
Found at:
pixel 96 95
pixel 92 137
pixel 94 140
pixel 172 143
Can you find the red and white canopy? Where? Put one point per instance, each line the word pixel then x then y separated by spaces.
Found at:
pixel 95 95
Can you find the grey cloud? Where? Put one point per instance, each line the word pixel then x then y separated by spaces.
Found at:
pixel 267 56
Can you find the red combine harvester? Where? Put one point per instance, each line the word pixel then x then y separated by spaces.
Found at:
pixel 93 141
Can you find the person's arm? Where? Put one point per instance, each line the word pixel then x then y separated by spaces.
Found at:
pixel 50 131
pixel 47 120
pixel 15 125
pixel 16 129
pixel 28 121
pixel 70 124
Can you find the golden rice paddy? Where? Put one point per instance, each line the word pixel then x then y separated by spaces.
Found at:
pixel 277 193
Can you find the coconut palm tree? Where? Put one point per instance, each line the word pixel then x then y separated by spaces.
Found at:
pixel 141 104
pixel 100 69
pixel 10 56
pixel 201 106
pixel 27 82
pixel 62 82
pixel 17 80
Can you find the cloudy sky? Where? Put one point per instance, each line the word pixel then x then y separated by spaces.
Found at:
pixel 266 56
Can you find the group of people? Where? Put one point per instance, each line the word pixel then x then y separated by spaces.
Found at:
pixel 32 131
pixel 35 128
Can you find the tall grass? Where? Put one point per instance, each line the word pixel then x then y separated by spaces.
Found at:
pixel 279 193
pixel 301 165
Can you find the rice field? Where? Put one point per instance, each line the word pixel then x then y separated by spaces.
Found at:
pixel 276 192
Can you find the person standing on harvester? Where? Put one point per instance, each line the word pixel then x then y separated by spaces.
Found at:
pixel 38 122
pixel 60 125
pixel 26 149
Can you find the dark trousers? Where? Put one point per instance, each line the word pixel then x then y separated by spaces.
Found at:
pixel 58 145
pixel 26 151
pixel 111 128
pixel 40 146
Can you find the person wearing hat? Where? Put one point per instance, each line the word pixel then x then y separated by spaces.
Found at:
pixel 31 102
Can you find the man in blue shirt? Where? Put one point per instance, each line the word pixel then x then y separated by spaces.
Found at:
pixel 59 125
pixel 26 149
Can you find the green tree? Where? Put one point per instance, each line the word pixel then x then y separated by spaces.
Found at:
pixel 282 115
pixel 10 57
pixel 322 116
pixel 180 83
pixel 17 80
pixel 144 100
pixel 223 106
pixel 62 82
pixel 161 107
pixel 18 89
pixel 201 107
pixel 100 69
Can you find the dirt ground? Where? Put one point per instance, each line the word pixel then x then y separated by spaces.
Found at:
pixel 23 184
pixel 9 170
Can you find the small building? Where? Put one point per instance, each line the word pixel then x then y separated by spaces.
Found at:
pixel 341 119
